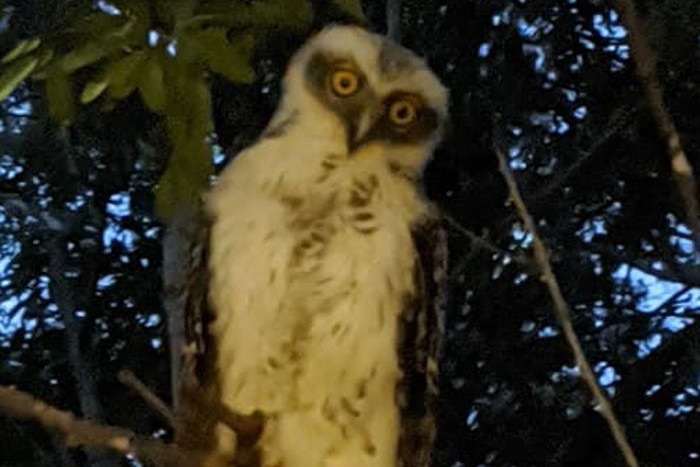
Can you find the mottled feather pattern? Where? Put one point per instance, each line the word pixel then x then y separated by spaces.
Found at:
pixel 199 408
pixel 313 294
pixel 420 345
pixel 186 288
pixel 186 282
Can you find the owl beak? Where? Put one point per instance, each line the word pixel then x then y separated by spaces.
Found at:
pixel 361 131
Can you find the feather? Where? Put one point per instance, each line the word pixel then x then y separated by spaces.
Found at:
pixel 186 279
pixel 195 387
pixel 293 283
pixel 420 342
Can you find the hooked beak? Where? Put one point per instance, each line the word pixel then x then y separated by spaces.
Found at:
pixel 362 126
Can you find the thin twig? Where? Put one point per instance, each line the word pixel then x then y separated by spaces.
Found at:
pixel 480 242
pixel 563 315
pixel 77 432
pixel 473 237
pixel 129 379
pixel 669 302
pixel 612 127
pixel 645 60
pixel 248 428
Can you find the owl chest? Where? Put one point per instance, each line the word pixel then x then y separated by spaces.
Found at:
pixel 351 271
pixel 351 265
pixel 347 231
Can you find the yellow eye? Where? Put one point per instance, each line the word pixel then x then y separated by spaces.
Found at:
pixel 403 112
pixel 344 83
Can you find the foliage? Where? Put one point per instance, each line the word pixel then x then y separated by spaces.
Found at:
pixel 165 50
pixel 549 82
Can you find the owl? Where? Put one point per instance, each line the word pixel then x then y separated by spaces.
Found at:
pixel 313 288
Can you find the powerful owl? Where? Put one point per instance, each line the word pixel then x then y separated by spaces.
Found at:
pixel 313 285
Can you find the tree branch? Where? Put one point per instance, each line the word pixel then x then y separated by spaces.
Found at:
pixel 671 272
pixel 77 432
pixel 563 315
pixel 670 301
pixel 479 242
pixel 62 294
pixel 619 119
pixel 129 379
pixel 645 59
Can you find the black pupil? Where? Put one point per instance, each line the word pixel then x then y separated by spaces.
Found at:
pixel 403 112
pixel 345 83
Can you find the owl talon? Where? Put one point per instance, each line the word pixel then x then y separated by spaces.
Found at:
pixel 248 428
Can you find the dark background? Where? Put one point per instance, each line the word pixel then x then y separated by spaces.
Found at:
pixel 549 82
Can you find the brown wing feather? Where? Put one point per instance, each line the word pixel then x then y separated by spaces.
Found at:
pixel 186 282
pixel 421 333
pixel 193 350
pixel 421 330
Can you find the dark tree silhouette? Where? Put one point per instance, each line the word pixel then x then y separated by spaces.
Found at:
pixel 557 86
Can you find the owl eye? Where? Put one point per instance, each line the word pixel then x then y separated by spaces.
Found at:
pixel 403 112
pixel 344 83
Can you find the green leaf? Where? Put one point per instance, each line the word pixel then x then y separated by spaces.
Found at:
pixel 101 36
pixel 82 56
pixel 188 119
pixel 181 9
pixel 186 177
pixel 59 93
pixel 284 14
pixel 190 102
pixel 152 85
pixel 107 30
pixel 118 75
pixel 45 57
pixel 23 48
pixel 228 59
pixel 43 69
pixel 92 90
pixel 15 74
pixel 180 186
pixel 123 74
pixel 351 7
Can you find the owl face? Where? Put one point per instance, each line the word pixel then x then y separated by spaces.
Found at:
pixel 382 95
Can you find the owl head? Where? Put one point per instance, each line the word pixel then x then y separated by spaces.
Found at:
pixel 384 99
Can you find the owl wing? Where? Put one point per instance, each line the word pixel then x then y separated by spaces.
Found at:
pixel 186 282
pixel 196 389
pixel 421 332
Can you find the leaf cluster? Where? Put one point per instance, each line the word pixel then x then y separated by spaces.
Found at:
pixel 166 51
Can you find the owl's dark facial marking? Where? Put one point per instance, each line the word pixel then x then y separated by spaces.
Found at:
pixel 339 85
pixel 400 117
pixel 405 120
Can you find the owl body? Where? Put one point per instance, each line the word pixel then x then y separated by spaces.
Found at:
pixel 312 258
pixel 314 346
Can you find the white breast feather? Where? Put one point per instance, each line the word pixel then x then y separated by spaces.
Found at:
pixel 301 351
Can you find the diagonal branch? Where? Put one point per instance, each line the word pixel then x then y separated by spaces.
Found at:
pixel 63 295
pixel 661 268
pixel 619 120
pixel 77 432
pixel 480 242
pixel 645 60
pixel 129 379
pixel 563 315
pixel 669 302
